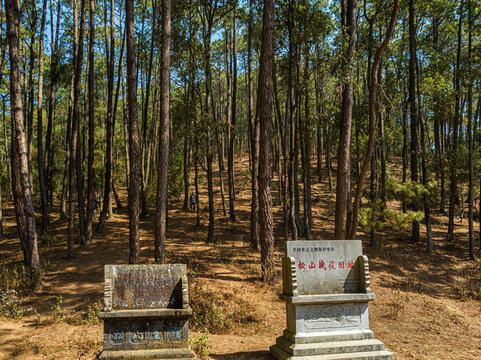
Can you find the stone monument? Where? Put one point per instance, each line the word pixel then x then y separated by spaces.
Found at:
pixel 146 313
pixel 326 288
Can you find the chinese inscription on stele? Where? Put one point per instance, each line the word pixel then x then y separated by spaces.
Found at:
pixel 326 288
pixel 146 312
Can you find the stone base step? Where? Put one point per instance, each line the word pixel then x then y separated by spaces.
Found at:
pixel 328 336
pixel 148 354
pixel 280 354
pixel 334 347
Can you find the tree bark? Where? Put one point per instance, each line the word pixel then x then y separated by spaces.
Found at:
pixel 470 139
pixel 74 135
pixel 134 236
pixel 453 188
pixel 21 186
pixel 254 121
pixel 264 109
pixel 230 160
pixel 413 113
pixel 343 191
pixel 41 170
pixel 91 125
pixel 163 157
pixel 109 124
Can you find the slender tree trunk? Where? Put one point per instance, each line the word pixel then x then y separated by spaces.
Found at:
pixel 291 107
pixel 163 158
pixel 146 159
pixel 470 140
pixel 372 121
pixel 405 148
pixel 254 121
pixel 343 191
pixel 134 235
pixel 307 151
pixel 109 122
pixel 207 111
pixel 372 233
pixel 31 87
pixel 53 69
pixel 21 186
pixel 264 109
pixel 230 160
pixel 413 113
pixel 41 169
pixel 282 137
pixel 453 188
pixel 74 136
pixel 91 103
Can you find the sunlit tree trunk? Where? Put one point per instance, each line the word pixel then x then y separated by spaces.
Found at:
pixel 21 186
pixel 264 109
pixel 343 191
pixel 163 157
pixel 91 125
pixel 41 170
pixel 134 235
pixel 74 136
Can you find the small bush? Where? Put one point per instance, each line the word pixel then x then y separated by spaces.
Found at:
pixel 470 286
pixel 219 313
pixel 93 313
pixel 201 346
pixel 10 304
pixel 59 313
pixel 396 303
pixel 15 278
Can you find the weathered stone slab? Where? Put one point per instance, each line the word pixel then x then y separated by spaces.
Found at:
pixel 141 333
pixel 146 313
pixel 144 286
pixel 325 267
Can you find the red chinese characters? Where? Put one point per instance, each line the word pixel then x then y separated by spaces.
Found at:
pixel 325 265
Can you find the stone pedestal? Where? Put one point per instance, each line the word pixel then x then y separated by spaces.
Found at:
pixel 326 290
pixel 146 314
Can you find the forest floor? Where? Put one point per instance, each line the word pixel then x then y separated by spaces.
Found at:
pixel 425 308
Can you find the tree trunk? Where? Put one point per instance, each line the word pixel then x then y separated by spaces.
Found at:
pixel 21 187
pixel 230 160
pixel 254 121
pixel 453 189
pixel 109 121
pixel 264 109
pixel 163 157
pixel 307 151
pixel 91 101
pixel 343 191
pixel 470 140
pixel 53 69
pixel 41 170
pixel 74 135
pixel 134 236
pixel 413 113
pixel 291 107
pixel 372 121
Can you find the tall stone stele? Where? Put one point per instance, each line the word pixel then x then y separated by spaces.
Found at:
pixel 326 288
pixel 146 314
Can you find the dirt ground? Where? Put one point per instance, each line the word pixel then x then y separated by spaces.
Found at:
pixel 423 309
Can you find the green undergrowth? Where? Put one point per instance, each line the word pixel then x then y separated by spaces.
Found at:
pixel 219 313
